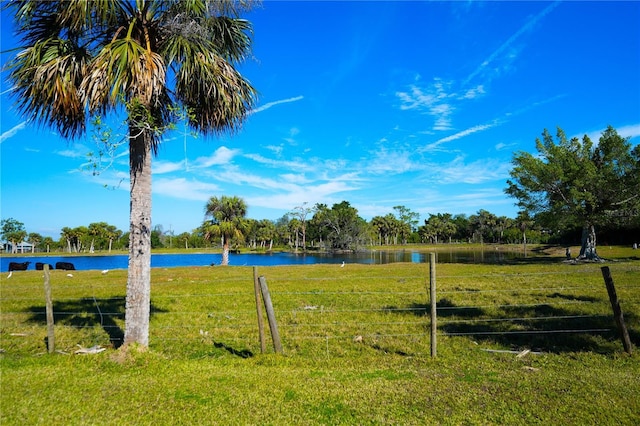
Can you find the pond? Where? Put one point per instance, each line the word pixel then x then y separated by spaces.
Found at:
pixel 374 257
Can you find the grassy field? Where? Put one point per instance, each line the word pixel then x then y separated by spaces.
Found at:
pixel 356 341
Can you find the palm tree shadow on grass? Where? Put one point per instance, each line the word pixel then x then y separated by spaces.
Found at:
pixel 245 353
pixel 88 312
pixel 445 307
pixel 539 327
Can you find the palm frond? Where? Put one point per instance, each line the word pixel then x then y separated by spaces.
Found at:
pixel 133 44
pixel 232 38
pixel 124 69
pixel 46 77
pixel 215 91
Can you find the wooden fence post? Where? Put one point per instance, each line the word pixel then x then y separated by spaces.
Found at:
pixel 617 311
pixel 51 340
pixel 256 288
pixel 432 302
pixel 271 316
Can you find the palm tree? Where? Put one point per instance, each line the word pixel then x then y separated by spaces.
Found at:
pixel 524 222
pixel 83 59
pixel 67 234
pixel 227 221
pixel 112 233
pixel 34 238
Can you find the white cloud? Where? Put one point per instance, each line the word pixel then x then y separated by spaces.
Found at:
pixel 276 149
pixel 438 100
pixel 298 179
pixel 187 189
pixel 295 165
pixel 479 171
pixel 631 131
pixel 501 146
pixel 321 193
pixel 161 167
pixel 474 93
pixel 241 177
pixel 76 151
pixel 433 100
pixel 12 132
pixel 222 155
pixel 386 161
pixel 468 202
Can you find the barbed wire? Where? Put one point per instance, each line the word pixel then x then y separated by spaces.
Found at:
pixel 489 333
pixel 311 319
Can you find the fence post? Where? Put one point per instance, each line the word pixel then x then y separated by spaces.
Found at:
pixel 432 302
pixel 256 289
pixel 51 340
pixel 617 311
pixel 271 316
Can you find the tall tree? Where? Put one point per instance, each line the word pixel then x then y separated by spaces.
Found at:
pixel 301 212
pixel 13 232
pixel 66 235
pixel 47 242
pixel 112 233
pixel 524 222
pixel 381 227
pixel 408 221
pixel 96 230
pixel 34 238
pixel 440 224
pixel 266 232
pixel 343 227
pixel 483 225
pixel 84 59
pixel 227 221
pixel 576 183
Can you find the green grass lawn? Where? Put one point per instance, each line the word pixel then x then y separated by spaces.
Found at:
pixel 356 347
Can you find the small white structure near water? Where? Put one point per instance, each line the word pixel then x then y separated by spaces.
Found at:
pixel 23 247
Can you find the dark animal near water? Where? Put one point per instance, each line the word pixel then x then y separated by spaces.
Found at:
pixel 17 266
pixel 67 266
pixel 40 266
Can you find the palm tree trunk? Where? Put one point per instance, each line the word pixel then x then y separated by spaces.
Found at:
pixel 304 238
pixel 225 252
pixel 138 300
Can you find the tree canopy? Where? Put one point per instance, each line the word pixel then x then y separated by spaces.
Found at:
pixel 573 182
pixel 80 60
pixel 13 231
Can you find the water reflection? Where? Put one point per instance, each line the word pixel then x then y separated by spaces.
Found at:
pixel 373 257
pixel 444 256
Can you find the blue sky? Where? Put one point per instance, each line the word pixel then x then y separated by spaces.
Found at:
pixel 420 104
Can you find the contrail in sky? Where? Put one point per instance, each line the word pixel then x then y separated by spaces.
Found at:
pixel 274 103
pixel 526 27
pixel 463 133
pixel 11 132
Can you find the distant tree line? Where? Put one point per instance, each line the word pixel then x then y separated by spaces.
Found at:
pixel 565 191
pixel 334 228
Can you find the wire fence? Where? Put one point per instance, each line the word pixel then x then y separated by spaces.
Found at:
pixel 332 314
